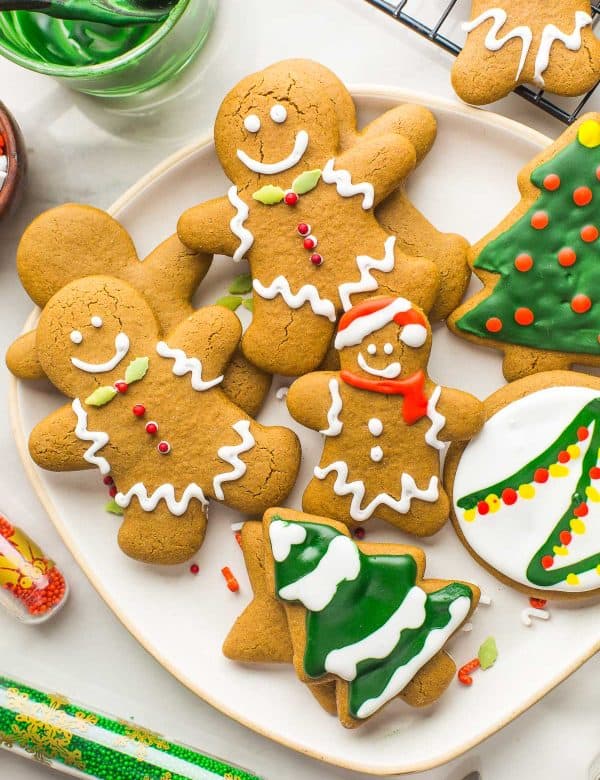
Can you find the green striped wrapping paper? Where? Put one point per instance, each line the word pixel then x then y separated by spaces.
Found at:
pixel 87 744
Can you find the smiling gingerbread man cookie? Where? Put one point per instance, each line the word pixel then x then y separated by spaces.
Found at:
pixel 385 421
pixel 151 413
pixel 302 212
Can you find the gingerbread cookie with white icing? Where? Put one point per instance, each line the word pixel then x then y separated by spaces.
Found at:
pixel 384 421
pixel 72 241
pixel 549 44
pixel 302 211
pixel 149 410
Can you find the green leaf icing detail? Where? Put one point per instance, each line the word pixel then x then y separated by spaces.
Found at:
pixel 248 303
pixel 136 370
pixel 230 302
pixel 359 607
pixel 113 507
pixel 241 285
pixel 306 182
pixel 487 653
pixel 547 288
pixel 269 195
pixel 101 396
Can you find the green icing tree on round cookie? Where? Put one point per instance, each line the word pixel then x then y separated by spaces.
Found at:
pixel 548 293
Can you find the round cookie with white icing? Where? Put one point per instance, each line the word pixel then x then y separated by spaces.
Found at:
pixel 149 410
pixel 384 421
pixel 550 45
pixel 301 210
pixel 526 488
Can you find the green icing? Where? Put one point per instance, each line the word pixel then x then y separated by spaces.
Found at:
pixel 548 288
pixel 269 195
pixel 360 607
pixel 241 285
pixel 248 303
pixel 113 508
pixel 118 13
pixel 306 182
pixel 230 302
pixel 136 370
pixel 487 653
pixel 101 396
pixel 536 573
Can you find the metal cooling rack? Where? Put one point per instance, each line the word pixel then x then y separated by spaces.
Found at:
pixel 433 32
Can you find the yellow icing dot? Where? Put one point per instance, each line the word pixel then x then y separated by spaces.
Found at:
pixel 598 569
pixel 573 450
pixel 589 134
pixel 562 550
pixel 493 502
pixel 572 579
pixel 526 491
pixel 558 470
pixel 577 526
pixel 593 494
pixel 470 514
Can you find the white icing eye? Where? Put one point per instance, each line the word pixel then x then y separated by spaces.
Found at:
pixel 252 123
pixel 413 335
pixel 371 349
pixel 96 321
pixel 388 348
pixel 76 337
pixel 278 113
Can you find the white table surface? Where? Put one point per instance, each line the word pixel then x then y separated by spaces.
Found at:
pixel 81 151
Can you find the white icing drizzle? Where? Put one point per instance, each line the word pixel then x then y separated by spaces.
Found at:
pixel 368 283
pixel 282 536
pixel 308 293
pixel 413 335
pixel 551 33
pixel 357 490
pixel 164 492
pixel 343 183
pixel 375 426
pixel 98 438
pixel 533 612
pixel 237 224
pixel 437 420
pixel 230 454
pixel 335 424
pixel 434 642
pixel 341 563
pixel 361 327
pixel 294 157
pixel 391 371
pixel 493 43
pixel 187 365
pixel 121 349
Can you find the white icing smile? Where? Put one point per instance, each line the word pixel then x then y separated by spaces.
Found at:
pixel 121 349
pixel 300 146
pixel 389 372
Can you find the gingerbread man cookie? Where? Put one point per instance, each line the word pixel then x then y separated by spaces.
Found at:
pixel 150 411
pixel 550 44
pixel 539 267
pixel 302 212
pixel 72 241
pixel 384 421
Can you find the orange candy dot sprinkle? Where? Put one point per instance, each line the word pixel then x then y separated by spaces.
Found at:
pixel 494 325
pixel 589 234
pixel 552 182
pixel 567 257
pixel 581 303
pixel 524 316
pixel 524 263
pixel 231 581
pixel 582 196
pixel 540 220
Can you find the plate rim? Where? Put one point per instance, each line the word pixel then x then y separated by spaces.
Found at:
pixel 358 91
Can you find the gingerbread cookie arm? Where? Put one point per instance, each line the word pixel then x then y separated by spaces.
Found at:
pixel 416 123
pixel 21 358
pixel 314 401
pixel 216 227
pixel 464 414
pixel 61 442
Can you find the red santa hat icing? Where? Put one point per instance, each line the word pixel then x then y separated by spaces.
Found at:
pixel 369 316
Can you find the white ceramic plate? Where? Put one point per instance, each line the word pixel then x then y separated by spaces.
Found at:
pixel 466 184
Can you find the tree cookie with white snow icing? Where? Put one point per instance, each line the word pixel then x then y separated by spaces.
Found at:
pixel 149 410
pixel 526 488
pixel 549 44
pixel 384 421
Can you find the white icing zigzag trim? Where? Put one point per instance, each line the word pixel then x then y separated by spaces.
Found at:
pixel 343 182
pixel 166 492
pixel 237 224
pixel 335 424
pixel 493 43
pixel 357 490
pixel 230 454
pixel 308 293
pixel 437 420
pixel 98 438
pixel 365 265
pixel 186 365
pixel 550 34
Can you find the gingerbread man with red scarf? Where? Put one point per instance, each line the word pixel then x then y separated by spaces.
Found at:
pixel 384 420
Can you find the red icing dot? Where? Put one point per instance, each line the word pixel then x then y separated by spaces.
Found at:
pixel 316 259
pixel 164 447
pixel 121 386
pixel 582 196
pixel 509 496
pixel 541 475
pixel 139 410
pixel 524 262
pixel 567 257
pixel 309 242
pixel 590 234
pixel 564 457
pixel 359 533
pixel 582 433
pixel 581 303
pixel 581 510
pixel 303 229
pixel 113 491
pixel 194 568
pixel 290 198
pixel 595 473
pixel 108 480
pixel 540 220
pixel 524 316
pixel 494 325
pixel 552 182
pixel 483 507
pixel 152 428
pixel 565 537
pixel 547 561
